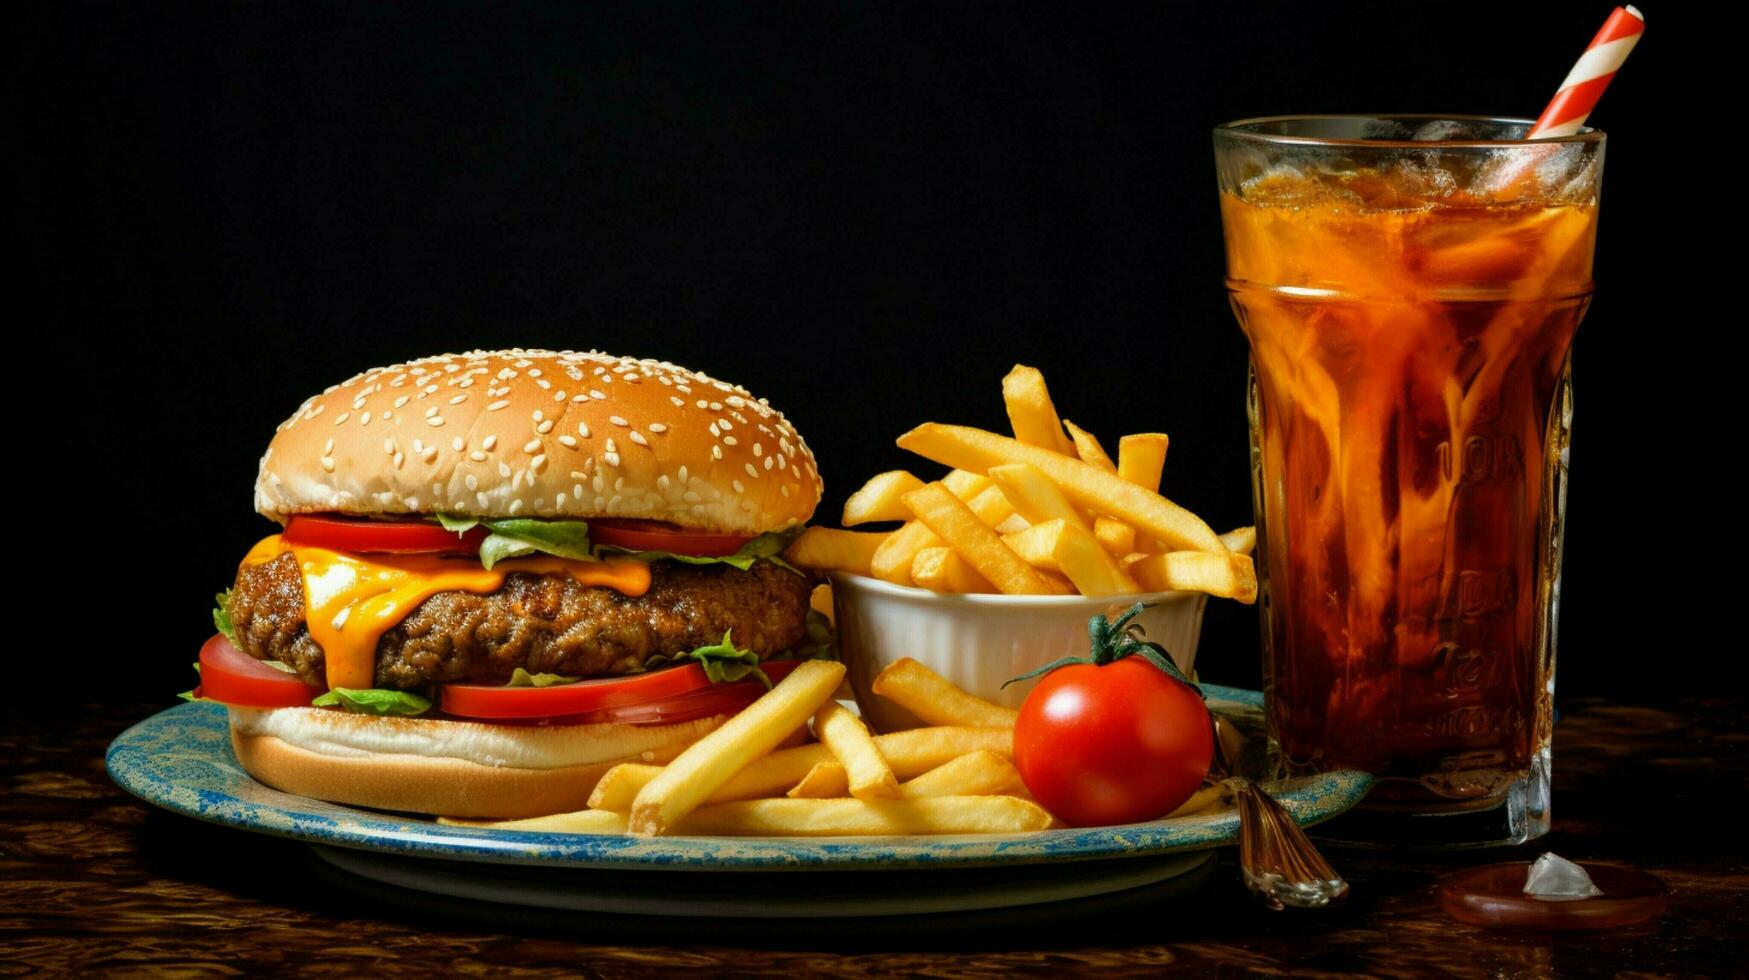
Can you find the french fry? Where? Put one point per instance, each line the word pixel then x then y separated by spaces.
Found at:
pixel 830 549
pixel 973 539
pixel 964 485
pixel 982 773
pixel 713 760
pixel 892 561
pixel 827 780
pixel 1084 484
pixel 1035 545
pixel 1088 448
pixel 1034 496
pixel 936 700
pixel 1141 458
pixel 1116 537
pixel 1031 414
pixel 847 738
pixel 1013 525
pixel 849 817
pixel 1076 554
pixel 1240 540
pixel 910 753
pixel 878 500
pixel 942 570
pixel 1199 801
pixel 580 822
pixel 1228 575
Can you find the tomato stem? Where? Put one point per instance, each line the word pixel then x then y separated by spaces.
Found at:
pixel 1112 640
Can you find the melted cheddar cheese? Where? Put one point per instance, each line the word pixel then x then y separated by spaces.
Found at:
pixel 351 600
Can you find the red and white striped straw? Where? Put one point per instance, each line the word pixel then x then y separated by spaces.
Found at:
pixel 1591 75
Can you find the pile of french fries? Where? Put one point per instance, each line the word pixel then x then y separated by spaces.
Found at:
pixel 955 776
pixel 1044 512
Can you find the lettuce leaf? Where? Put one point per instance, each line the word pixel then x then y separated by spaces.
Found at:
pixel 222 616
pixel 374 701
pixel 512 537
pixel 766 547
pixel 723 662
pixel 821 644
pixel 522 678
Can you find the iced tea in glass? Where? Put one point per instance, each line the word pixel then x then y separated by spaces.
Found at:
pixel 1410 287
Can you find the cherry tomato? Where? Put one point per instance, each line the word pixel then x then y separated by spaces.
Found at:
pixel 656 696
pixel 231 676
pixel 1119 743
pixel 380 537
pixel 636 535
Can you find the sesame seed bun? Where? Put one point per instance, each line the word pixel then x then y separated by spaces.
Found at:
pixel 535 433
pixel 453 768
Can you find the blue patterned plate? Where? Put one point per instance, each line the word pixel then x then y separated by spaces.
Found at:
pixel 181 759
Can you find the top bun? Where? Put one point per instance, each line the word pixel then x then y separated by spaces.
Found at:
pixel 535 433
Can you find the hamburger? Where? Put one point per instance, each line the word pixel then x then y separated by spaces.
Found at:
pixel 501 573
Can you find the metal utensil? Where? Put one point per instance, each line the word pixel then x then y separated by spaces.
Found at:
pixel 1276 860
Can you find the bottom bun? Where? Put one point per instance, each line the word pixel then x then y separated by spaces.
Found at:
pixel 453 768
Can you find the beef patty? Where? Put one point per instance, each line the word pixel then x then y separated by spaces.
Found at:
pixel 542 623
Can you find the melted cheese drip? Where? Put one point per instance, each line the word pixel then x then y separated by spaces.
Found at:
pixel 351 600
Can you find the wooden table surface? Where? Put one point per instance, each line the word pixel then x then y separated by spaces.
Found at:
pixel 92 880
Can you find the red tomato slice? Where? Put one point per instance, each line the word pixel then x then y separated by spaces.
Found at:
pixel 231 676
pixel 380 537
pixel 635 535
pixel 658 697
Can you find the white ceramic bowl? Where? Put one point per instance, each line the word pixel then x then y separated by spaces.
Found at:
pixel 980 641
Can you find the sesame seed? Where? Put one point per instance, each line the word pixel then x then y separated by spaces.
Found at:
pixel 703 404
pixel 737 485
pixel 516 506
pixel 328 463
pixel 328 450
pixel 472 482
pixel 583 429
pixel 496 406
pixel 458 444
pixel 577 490
pixel 758 450
pixel 678 403
pixel 662 482
pixel 729 440
pixel 580 398
pixel 340 419
pixel 538 415
pixel 598 396
pixel 539 463
pixel 434 421
pixel 389 446
pixel 612 458
pixel 399 459
pixel 418 446
pixel 658 428
pixel 638 437
pixel 531 446
pixel 752 470
pixel 477 456
pixel 716 452
pixel 795 472
pixel 714 431
pixel 568 441
pixel 457 400
pixel 504 469
pixel 545 384
pixel 340 617
pixel 682 474
pixel 489 443
pixel 480 500
pixel 431 411
pixel 430 454
pixel 691 497
pixel 784 490
pixel 735 401
pixel 616 420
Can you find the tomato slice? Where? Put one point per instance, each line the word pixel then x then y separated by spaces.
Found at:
pixel 635 535
pixel 635 699
pixel 231 676
pixel 380 537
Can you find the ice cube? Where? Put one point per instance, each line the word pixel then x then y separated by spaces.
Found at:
pixel 1435 130
pixel 1555 879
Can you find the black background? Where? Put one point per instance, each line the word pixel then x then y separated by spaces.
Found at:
pixel 866 212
